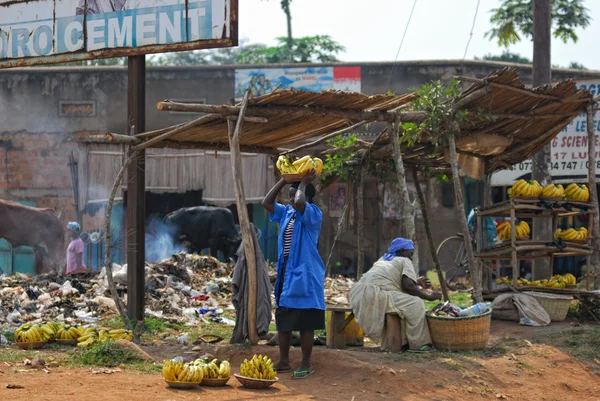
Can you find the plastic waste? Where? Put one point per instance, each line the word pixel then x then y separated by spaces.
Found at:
pixel 177 359
pixel 190 313
pixel 183 339
pixel 13 317
pixel 476 309
pixel 212 288
pixel 3 340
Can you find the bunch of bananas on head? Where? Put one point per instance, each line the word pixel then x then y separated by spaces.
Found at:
pixel 551 191
pixel 571 234
pixel 525 188
pixel 213 369
pixel 505 232
pixel 300 166
pixel 577 192
pixel 182 372
pixel 259 367
pixel 27 333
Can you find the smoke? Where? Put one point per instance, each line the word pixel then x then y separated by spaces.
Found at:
pixel 160 240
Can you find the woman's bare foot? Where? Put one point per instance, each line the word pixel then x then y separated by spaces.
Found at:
pixel 282 366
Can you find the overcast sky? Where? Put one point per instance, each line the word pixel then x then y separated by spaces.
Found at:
pixel 372 30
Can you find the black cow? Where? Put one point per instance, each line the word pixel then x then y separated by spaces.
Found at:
pixel 205 227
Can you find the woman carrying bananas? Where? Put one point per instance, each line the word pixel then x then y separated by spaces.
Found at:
pixel 392 286
pixel 299 289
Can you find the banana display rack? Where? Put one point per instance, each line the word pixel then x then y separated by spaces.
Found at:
pixel 517 248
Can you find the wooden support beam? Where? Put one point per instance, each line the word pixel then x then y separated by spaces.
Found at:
pixel 460 103
pixel 169 134
pixel 360 221
pixel 324 138
pixel 219 146
pixel 248 119
pixel 268 111
pixel 512 88
pixel 595 220
pixel 122 139
pixel 247 232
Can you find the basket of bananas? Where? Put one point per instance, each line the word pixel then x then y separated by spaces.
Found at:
pixel 525 189
pixel 553 192
pixel 29 336
pixel 257 373
pixel 295 171
pixel 504 231
pixel 572 234
pixel 578 193
pixel 182 375
pixel 216 373
pixel 92 336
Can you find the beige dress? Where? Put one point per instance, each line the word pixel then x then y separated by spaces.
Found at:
pixel 379 291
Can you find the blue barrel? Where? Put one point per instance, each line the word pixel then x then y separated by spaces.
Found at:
pixel 24 260
pixel 6 257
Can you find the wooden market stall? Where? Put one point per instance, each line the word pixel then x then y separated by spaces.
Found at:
pixel 517 122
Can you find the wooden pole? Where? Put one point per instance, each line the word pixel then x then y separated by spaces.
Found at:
pixel 409 207
pixel 595 220
pixel 247 233
pixel 460 206
pixel 326 137
pixel 299 111
pixel 360 222
pixel 432 250
pixel 175 131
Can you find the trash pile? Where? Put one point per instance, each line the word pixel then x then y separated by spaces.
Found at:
pixel 180 289
pixel 337 290
pixel 450 310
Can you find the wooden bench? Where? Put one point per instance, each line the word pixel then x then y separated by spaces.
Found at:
pixel 336 326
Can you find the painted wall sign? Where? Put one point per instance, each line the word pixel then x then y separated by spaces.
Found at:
pixel 50 31
pixel 569 150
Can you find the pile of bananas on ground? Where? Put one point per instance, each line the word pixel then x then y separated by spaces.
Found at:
pixel 27 333
pixel 300 166
pixel 570 234
pixel 67 332
pixel 259 367
pixel 504 230
pixel 213 369
pixel 557 281
pixel 91 336
pixel 553 191
pixel 577 192
pixel 182 372
pixel 525 188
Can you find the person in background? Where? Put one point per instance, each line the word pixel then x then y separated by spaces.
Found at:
pixel 75 249
pixel 346 268
pixel 392 286
pixel 490 226
pixel 299 289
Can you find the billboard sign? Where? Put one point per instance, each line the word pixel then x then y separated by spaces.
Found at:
pixel 53 31
pixel 262 81
pixel 569 150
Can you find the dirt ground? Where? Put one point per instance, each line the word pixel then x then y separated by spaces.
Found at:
pixel 511 368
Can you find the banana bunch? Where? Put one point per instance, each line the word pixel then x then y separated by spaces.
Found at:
pixel 117 334
pixel 557 281
pixel 577 192
pixel 214 369
pixel 504 230
pixel 27 333
pixel 69 332
pixel 90 337
pixel 300 166
pixel 525 188
pixel 259 367
pixel 551 191
pixel 180 372
pixel 571 234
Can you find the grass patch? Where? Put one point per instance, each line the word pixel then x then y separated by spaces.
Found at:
pixel 102 354
pixel 15 356
pixel 524 365
pixel 10 335
pixel 582 343
pixel 154 325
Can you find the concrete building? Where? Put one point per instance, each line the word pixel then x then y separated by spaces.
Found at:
pixel 42 110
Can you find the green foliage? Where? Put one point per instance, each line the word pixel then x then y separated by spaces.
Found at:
pixel 307 49
pixel 336 164
pixel 514 18
pixel 221 56
pixel 155 325
pixel 577 66
pixel 102 354
pixel 10 335
pixel 507 57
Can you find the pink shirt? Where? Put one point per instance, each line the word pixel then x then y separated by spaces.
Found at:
pixel 76 246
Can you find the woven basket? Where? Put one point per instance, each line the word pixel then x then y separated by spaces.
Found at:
pixel 255 383
pixel 182 385
pixel 66 342
pixel 556 305
pixel 460 333
pixel 215 382
pixel 32 345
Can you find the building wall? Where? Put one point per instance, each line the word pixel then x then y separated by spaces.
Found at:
pixel 36 129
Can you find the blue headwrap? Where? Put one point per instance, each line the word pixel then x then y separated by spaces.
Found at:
pixel 74 226
pixel 397 245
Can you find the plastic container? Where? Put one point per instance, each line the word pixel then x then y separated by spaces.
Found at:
pixel 353 334
pixel 476 309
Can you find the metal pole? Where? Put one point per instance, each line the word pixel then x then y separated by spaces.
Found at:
pixel 542 75
pixel 136 174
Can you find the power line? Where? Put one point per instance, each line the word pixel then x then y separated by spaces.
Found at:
pixel 472 29
pixel 401 42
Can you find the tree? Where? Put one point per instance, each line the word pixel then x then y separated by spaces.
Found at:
pixel 221 56
pixel 308 49
pixel 507 57
pixel 514 18
pixel 577 66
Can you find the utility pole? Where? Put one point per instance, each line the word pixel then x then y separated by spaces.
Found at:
pixel 542 75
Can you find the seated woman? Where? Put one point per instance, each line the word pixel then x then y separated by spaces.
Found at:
pixel 392 286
